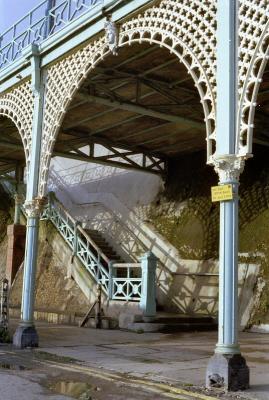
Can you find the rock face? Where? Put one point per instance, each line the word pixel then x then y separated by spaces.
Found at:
pixel 55 292
pixel 6 213
pixel 184 214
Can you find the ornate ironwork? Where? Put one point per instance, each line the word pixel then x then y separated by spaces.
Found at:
pixel 187 28
pixel 126 287
pixel 129 286
pixel 18 105
pixel 111 35
pixel 44 20
pixel 171 24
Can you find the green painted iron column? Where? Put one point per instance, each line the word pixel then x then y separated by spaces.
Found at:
pixel 26 335
pixel 227 368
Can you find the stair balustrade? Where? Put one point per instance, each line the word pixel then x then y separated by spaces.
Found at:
pixel 127 287
pixel 81 244
pixel 120 281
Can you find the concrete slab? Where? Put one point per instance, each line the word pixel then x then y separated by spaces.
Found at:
pixel 179 358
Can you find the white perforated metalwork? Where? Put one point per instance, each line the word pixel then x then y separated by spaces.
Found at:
pixel 253 56
pixel 18 106
pixel 185 28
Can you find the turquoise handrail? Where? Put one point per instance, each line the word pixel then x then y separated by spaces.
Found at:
pixel 127 287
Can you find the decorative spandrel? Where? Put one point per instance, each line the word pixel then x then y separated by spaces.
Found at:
pixel 186 29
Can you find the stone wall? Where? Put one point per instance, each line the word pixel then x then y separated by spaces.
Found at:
pixel 6 216
pixel 55 291
pixel 184 214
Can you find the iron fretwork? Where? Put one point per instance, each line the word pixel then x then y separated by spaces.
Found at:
pixel 186 28
pixel 126 287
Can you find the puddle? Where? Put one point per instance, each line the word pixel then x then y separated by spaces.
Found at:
pixel 76 390
pixel 12 367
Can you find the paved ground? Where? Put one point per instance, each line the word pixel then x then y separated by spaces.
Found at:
pixel 113 365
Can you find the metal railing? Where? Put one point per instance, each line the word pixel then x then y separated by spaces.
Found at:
pixel 125 287
pixel 83 247
pixel 47 18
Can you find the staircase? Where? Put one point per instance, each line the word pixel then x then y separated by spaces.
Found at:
pixel 120 281
pixel 117 278
pixel 102 243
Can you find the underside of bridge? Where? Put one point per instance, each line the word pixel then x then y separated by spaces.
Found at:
pixel 11 147
pixel 142 101
pixel 141 104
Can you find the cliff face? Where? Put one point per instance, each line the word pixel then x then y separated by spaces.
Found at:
pixel 55 292
pixel 6 216
pixel 184 214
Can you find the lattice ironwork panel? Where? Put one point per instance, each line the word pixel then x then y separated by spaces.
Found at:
pixel 18 105
pixel 128 289
pixel 185 28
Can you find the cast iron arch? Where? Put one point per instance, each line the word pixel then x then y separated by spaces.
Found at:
pixel 169 25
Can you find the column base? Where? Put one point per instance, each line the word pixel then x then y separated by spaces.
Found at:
pixel 227 371
pixel 25 336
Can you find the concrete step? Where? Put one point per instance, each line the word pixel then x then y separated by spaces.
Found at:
pixel 171 327
pixel 168 323
pixel 106 323
pixel 104 245
pixel 183 319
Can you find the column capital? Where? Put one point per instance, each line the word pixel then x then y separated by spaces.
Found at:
pixel 34 207
pixel 229 167
pixel 19 199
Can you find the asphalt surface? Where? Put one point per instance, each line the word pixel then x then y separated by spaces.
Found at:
pixel 94 364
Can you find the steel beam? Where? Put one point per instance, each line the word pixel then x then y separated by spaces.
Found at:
pixel 87 119
pixel 139 110
pixel 146 162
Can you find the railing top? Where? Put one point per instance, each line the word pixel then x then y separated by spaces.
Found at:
pixel 93 244
pixel 60 206
pixel 47 18
pixel 127 265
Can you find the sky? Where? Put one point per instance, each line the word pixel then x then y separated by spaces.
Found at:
pixel 13 10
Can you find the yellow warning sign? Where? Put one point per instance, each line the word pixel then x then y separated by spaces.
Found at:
pixel 222 193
